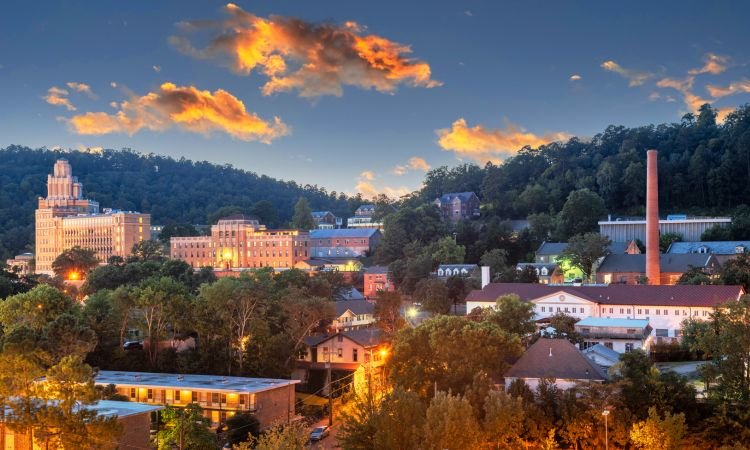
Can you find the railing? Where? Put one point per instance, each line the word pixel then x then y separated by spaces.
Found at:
pixel 611 335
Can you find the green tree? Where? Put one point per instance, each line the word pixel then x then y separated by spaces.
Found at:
pixel 74 263
pixel 667 239
pixel 35 309
pixel 581 213
pixel 186 428
pixel 726 338
pixel 736 271
pixel 387 312
pixel 240 427
pixel 266 213
pixel 175 230
pixel 400 421
pixel 433 295
pixel 503 420
pixel 423 357
pixel 303 219
pixel 657 433
pixel 449 252
pixel 584 250
pixel 513 315
pixel 67 423
pixel 280 437
pixel 450 424
pixel 496 259
pixel 695 275
pixel 147 251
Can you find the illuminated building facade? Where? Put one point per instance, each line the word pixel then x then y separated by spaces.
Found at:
pixel 238 242
pixel 64 219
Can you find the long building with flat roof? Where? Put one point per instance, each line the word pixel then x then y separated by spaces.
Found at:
pixel 270 400
pixel 690 228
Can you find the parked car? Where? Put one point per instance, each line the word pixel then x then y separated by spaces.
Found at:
pixel 133 345
pixel 319 433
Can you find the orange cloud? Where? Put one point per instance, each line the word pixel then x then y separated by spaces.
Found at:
pixel 736 87
pixel 685 87
pixel 415 163
pixel 482 144
pixel 576 77
pixel 185 107
pixel 311 59
pixel 713 64
pixel 81 87
pixel 367 175
pixel 634 77
pixel 59 97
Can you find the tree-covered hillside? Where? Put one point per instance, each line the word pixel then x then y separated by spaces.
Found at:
pixel 704 167
pixel 173 191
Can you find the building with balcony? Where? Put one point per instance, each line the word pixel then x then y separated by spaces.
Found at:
pixel 64 219
pixel 326 220
pixel 363 218
pixel 269 400
pixel 239 242
pixel 353 315
pixel 356 358
pixel 620 335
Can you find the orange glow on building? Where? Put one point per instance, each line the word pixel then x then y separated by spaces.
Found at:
pixel 238 242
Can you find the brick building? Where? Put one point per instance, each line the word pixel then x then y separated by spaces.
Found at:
pixel 377 278
pixel 238 242
pixel 457 206
pixel 344 243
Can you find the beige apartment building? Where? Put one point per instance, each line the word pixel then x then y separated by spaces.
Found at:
pixel 64 219
pixel 238 242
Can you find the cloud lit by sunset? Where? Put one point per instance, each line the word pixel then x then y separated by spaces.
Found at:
pixel 185 107
pixel 311 59
pixel 482 144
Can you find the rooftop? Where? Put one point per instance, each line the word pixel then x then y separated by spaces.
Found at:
pixel 555 358
pixel 556 248
pixel 607 322
pixel 377 269
pixel 616 294
pixel 344 233
pixel 189 382
pixel 670 262
pixel 714 247
pixel 452 195
pixel 355 306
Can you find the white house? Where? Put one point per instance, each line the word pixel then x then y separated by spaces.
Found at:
pixel 620 335
pixel 664 307
pixel 353 315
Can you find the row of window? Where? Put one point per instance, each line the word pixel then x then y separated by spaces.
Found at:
pixel 574 309
pixel 321 242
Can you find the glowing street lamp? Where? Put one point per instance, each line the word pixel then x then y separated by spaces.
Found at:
pixel 412 312
pixel 74 276
pixel 605 413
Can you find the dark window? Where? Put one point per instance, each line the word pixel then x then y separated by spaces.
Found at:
pixel 354 355
pixel 662 332
pixel 214 397
pixel 150 394
pixel 177 395
pixel 195 397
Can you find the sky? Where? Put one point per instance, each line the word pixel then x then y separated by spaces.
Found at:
pixel 358 96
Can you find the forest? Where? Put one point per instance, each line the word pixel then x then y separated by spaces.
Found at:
pixel 703 169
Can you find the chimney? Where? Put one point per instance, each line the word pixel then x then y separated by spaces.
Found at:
pixel 653 271
pixel 485 276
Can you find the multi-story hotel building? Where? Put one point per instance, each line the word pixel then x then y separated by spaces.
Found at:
pixel 64 219
pixel 238 242
pixel 270 400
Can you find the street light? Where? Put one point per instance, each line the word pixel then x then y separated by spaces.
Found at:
pixel 605 413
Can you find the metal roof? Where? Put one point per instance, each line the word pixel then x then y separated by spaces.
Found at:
pixel 343 233
pixel 190 381
pixel 607 322
pixel 715 247
pixel 670 262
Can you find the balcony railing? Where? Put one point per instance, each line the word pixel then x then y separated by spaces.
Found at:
pixel 611 335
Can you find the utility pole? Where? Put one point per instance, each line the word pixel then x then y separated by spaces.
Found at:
pixel 328 383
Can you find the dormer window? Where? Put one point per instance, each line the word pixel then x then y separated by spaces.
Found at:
pixel 544 271
pixel 739 249
pixel 703 249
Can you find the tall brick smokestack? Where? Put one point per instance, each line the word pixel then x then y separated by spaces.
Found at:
pixel 653 271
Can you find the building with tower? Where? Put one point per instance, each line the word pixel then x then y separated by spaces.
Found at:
pixel 65 219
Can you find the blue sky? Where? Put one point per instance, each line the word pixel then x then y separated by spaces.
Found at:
pixel 505 68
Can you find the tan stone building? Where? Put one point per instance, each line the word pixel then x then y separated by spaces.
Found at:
pixel 238 242
pixel 64 219
pixel 270 400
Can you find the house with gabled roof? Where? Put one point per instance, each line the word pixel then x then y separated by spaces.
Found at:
pixel 456 206
pixel 352 355
pixel 353 315
pixel 556 360
pixel 631 269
